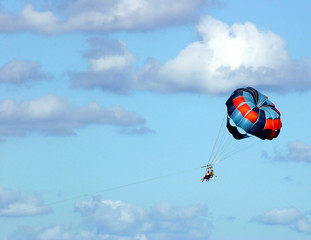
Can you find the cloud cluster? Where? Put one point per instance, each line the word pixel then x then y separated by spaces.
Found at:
pixel 102 16
pixel 289 217
pixel 110 67
pixel 52 115
pixel 225 57
pixel 297 151
pixel 17 204
pixel 163 221
pixel 116 220
pixel 21 72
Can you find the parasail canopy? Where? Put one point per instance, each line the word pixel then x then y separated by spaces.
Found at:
pixel 250 113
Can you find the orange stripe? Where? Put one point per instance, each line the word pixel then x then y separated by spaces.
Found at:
pixel 244 109
pixel 252 116
pixel 277 124
pixel 237 101
pixel 268 124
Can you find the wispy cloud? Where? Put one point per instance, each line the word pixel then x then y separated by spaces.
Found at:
pixel 52 232
pixel 297 151
pixel 21 72
pixel 102 16
pixel 137 131
pixel 52 115
pixel 288 217
pixel 17 204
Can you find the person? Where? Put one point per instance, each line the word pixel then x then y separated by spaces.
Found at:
pixel 208 175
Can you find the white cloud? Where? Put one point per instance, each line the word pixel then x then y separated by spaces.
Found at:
pixel 241 45
pixel 38 21
pixel 304 225
pixel 102 16
pixel 289 217
pixel 299 151
pixel 53 115
pixel 116 220
pixel 21 72
pixel 111 216
pixel 137 131
pixel 59 232
pixel 110 67
pixel 17 204
pixel 225 57
pixel 109 55
pixel 163 221
pixel 56 232
pixel 110 62
pixel 278 216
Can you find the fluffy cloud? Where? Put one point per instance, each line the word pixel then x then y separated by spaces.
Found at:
pixel 108 216
pixel 227 57
pixel 21 72
pixel 163 221
pixel 102 16
pixel 279 216
pixel 53 115
pixel 17 204
pixel 224 58
pixel 290 217
pixel 110 67
pixel 116 220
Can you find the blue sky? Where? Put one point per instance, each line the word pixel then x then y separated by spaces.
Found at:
pixel 109 108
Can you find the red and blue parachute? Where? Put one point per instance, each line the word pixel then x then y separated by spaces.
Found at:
pixel 250 113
